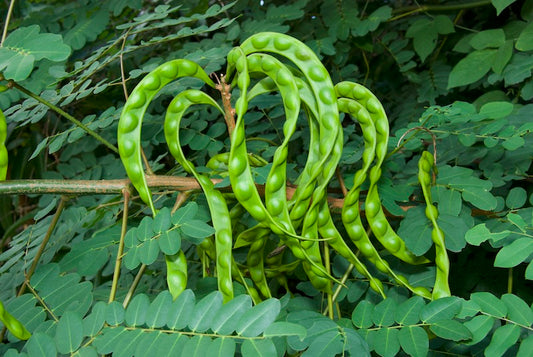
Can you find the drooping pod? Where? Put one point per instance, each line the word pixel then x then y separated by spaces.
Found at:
pixel 441 287
pixel 351 215
pixel 374 211
pixel 216 202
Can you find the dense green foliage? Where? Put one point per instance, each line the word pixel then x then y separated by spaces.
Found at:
pixel 452 76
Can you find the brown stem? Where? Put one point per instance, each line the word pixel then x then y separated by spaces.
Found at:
pixel 224 89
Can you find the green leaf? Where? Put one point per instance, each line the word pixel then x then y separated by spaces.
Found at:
pixel 516 198
pixel 145 231
pixel 444 24
pixel 204 312
pixel 518 310
pixel 529 271
pixel 454 229
pixel 386 342
pixel 449 201
pixel 69 332
pixel 161 221
pixel 170 242
pixel 185 213
pixel 424 35
pixel 87 29
pixel 502 339
pixel 480 233
pixel 416 229
pixel 450 330
pixel 148 251
pixel 370 24
pixel 441 309
pixel 517 220
pixel 471 68
pixel 197 346
pixel 325 344
pixel 258 348
pixel 490 304
pixel 41 344
pixel 93 323
pixel 502 57
pixel 515 253
pixel 500 5
pixel 157 313
pixel 414 340
pixel 222 347
pixel 362 314
pixel 254 321
pixel 136 311
pixel 282 328
pixel 180 313
pixel 383 314
pixel 489 38
pixel 227 319
pixel 474 189
pixel 519 69
pixel 513 143
pixel 496 110
pixel 408 312
pixel 479 326
pixel 26 45
pixel 62 292
pixel 197 229
pixel 114 314
pixel 525 40
pixel 525 347
pixel 354 343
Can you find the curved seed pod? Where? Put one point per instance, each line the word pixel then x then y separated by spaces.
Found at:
pixel 13 325
pixel 336 241
pixel 3 150
pixel 441 288
pixel 176 273
pixel 275 187
pixel 239 167
pixel 255 261
pixel 129 126
pixel 350 211
pixel 216 202
pixel 373 209
pixel 321 86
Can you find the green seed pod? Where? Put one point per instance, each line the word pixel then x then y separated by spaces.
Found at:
pixel 13 325
pixel 176 273
pixel 441 287
pixel 216 202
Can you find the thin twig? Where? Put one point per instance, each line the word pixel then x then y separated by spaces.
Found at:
pixel 134 285
pixel 46 238
pixel 180 200
pixel 118 261
pixel 8 18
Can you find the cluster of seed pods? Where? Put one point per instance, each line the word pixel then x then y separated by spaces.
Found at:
pixel 305 220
